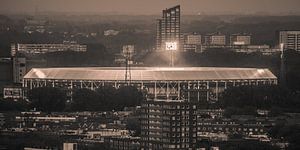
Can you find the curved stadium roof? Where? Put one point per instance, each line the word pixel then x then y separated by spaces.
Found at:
pixel 150 73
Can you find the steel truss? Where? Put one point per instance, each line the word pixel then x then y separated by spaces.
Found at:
pixel 175 90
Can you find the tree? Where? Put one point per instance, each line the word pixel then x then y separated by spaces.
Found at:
pixel 47 99
pixel 129 96
pixel 134 126
pixel 106 98
pixel 85 100
pixel 107 95
pixel 11 105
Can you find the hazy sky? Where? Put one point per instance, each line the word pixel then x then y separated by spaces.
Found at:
pixel 150 6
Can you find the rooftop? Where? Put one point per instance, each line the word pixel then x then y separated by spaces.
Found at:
pixel 150 73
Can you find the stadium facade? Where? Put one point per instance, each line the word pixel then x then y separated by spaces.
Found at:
pixel 159 83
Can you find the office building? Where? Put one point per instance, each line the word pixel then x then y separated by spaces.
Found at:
pixel 240 39
pixel 168 124
pixel 290 40
pixel 168 28
pixel 19 69
pixel 33 49
pixel 215 39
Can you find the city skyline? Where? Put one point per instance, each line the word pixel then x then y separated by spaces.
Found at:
pixel 146 7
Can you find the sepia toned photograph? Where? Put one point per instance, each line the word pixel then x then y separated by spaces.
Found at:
pixel 149 75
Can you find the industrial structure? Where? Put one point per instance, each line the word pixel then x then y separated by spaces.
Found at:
pixel 160 83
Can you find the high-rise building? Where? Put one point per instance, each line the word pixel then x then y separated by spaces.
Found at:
pixel 240 39
pixel 19 69
pixel 290 39
pixel 168 124
pixel 215 39
pixel 168 28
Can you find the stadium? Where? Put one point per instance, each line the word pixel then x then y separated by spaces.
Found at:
pixel 168 82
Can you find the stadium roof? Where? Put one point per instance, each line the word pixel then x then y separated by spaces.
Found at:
pixel 150 73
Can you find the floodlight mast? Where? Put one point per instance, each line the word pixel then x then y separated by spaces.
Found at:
pixel 282 66
pixel 128 51
pixel 281 50
pixel 171 46
pixel 128 69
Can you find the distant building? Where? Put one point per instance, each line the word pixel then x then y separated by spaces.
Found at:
pixel 70 146
pixel 168 124
pixel 242 126
pixel 46 48
pixel 110 32
pixel 192 42
pixel 100 134
pixel 240 39
pixel 19 69
pixel 168 28
pixel 123 143
pixel 13 92
pixel 290 39
pixel 37 121
pixel 264 49
pixel 215 39
pixel 36 25
pixel 192 48
pixel 128 50
pixel 193 38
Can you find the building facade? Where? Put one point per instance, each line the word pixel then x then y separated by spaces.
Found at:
pixel 167 124
pixel 215 39
pixel 240 39
pixel 19 69
pixel 123 143
pixel 33 49
pixel 168 28
pixel 290 39
pixel 192 42
pixel 193 38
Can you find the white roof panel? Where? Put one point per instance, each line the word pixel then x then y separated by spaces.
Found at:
pixel 150 73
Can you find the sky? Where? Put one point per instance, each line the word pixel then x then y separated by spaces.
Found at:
pixel 146 7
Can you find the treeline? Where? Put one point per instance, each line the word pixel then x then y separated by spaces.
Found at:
pixel 96 55
pixel 106 98
pixel 49 99
pixel 247 99
pixel 290 132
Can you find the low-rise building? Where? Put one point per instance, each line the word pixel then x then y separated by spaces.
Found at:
pixel 32 49
pixel 217 39
pixel 240 39
pixel 123 143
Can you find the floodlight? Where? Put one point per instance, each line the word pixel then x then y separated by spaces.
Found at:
pixel 172 46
